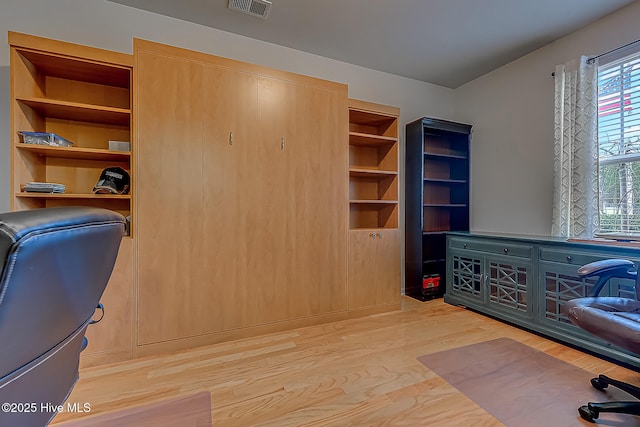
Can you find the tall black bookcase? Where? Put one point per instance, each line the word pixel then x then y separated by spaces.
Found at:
pixel 436 200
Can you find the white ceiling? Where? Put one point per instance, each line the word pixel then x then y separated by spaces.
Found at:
pixel 445 42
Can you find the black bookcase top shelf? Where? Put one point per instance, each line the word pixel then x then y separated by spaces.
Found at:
pixel 436 126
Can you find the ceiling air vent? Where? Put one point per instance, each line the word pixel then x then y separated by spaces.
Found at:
pixel 259 8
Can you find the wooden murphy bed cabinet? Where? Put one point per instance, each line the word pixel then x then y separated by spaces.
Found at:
pixel 248 166
pixel 240 212
pixel 374 236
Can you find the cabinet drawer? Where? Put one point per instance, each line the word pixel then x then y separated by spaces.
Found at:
pixel 570 257
pixel 492 247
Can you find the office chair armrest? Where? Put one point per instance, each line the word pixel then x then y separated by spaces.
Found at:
pixel 610 267
pixel 605 270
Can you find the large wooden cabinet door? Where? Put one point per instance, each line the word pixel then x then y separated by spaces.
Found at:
pixel 388 267
pixel 374 267
pixel 230 161
pixel 301 193
pixel 319 193
pixel 280 129
pixel 169 203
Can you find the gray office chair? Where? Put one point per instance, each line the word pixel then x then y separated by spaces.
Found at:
pixel 614 319
pixel 54 266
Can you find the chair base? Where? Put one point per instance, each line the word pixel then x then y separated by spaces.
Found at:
pixel 591 411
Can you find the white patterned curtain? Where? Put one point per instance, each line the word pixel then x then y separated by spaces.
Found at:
pixel 575 195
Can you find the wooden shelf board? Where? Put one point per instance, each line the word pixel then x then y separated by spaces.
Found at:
pixel 367 139
pixel 75 152
pixel 373 203
pixel 72 196
pixel 372 109
pixel 371 173
pixel 78 111
pixel 77 69
pixel 362 228
pixel 370 118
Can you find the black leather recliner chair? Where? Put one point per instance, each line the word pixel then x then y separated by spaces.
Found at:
pixel 614 319
pixel 55 265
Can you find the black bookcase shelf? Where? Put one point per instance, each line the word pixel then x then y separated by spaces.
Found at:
pixel 446 156
pixel 445 181
pixel 436 198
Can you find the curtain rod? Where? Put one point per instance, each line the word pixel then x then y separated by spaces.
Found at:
pixel 593 58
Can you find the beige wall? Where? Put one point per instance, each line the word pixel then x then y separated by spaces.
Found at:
pixel 512 112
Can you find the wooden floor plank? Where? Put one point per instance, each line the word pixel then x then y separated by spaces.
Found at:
pixel 360 371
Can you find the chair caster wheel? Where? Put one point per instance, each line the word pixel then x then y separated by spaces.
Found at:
pixel 598 384
pixel 588 413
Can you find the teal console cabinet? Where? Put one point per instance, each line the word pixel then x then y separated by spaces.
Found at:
pixel 490 275
pixel 526 281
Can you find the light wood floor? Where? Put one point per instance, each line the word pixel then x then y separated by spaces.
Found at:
pixel 360 372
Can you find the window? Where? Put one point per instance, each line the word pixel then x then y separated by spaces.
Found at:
pixel 619 145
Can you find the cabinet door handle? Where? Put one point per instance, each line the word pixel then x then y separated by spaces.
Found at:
pixel 569 258
pixel 506 250
pixel 372 235
pixel 464 245
pixel 282 143
pixel 230 138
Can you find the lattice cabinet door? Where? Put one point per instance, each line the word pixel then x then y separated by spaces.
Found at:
pixel 560 283
pixel 467 278
pixel 508 284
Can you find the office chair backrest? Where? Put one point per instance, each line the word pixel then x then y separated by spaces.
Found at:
pixel 55 264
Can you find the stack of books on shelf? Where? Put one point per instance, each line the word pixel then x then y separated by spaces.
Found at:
pixel 43 187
